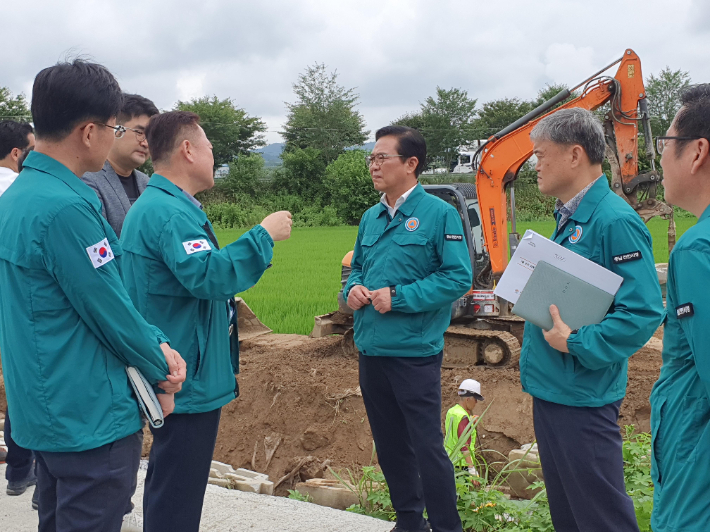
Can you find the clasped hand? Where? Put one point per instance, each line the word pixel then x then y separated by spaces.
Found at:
pixel 174 380
pixel 360 296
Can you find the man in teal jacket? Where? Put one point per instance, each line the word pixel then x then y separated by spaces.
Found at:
pixel 409 265
pixel 680 401
pixel 68 328
pixel 578 378
pixel 180 280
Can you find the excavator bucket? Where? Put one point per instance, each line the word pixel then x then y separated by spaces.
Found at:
pixel 248 324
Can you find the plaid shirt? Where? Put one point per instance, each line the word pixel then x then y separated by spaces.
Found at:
pixel 566 210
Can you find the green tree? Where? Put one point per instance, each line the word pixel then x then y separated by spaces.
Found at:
pixel 349 186
pixel 497 114
pixel 324 115
pixel 245 174
pixel 13 107
pixel 413 120
pixel 449 123
pixel 550 91
pixel 301 174
pixel 230 129
pixel 663 93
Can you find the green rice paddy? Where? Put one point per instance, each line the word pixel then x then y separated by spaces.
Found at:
pixel 305 277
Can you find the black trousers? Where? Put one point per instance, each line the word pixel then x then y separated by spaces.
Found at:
pixel 178 471
pixel 89 490
pixel 581 454
pixel 403 401
pixel 19 460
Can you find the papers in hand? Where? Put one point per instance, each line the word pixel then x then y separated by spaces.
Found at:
pixel 533 248
pixel 147 401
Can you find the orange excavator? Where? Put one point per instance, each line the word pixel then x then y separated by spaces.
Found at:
pixel 483 330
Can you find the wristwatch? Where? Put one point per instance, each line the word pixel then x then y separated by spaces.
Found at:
pixel 393 291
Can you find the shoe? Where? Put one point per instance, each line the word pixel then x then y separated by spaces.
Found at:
pixel 132 522
pixel 35 499
pixel 18 487
pixel 425 528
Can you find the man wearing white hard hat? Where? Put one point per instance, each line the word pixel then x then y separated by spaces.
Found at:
pixel 459 419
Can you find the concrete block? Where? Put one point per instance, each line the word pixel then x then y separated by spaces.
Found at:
pixel 246 480
pixel 531 446
pixel 251 474
pixel 528 459
pixel 243 484
pixel 221 482
pixel 2 424
pixel 215 474
pixel 222 467
pixel 520 480
pixel 328 492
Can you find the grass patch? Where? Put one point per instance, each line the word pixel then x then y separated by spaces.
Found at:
pixel 305 277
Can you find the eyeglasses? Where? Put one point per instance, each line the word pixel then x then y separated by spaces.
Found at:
pixel 140 134
pixel 661 142
pixel 118 131
pixel 380 158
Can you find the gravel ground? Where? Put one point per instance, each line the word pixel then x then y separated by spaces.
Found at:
pixel 224 511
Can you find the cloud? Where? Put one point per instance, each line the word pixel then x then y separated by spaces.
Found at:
pixel 395 52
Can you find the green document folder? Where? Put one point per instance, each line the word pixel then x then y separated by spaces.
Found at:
pixel 579 302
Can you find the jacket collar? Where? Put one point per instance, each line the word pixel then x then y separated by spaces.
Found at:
pixel 590 201
pixel 47 165
pixel 164 184
pixel 407 208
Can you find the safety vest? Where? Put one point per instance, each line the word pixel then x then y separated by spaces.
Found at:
pixel 451 440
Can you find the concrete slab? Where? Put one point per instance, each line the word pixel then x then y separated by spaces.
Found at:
pixel 225 510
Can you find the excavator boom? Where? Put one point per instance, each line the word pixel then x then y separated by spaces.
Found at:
pixel 505 152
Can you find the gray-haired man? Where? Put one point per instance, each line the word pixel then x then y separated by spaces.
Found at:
pixel 578 378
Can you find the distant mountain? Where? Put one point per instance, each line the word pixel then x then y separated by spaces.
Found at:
pixel 272 152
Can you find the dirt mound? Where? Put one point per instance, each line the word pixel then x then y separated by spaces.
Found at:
pixel 304 391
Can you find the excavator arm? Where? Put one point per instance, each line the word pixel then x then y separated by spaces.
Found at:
pixel 505 152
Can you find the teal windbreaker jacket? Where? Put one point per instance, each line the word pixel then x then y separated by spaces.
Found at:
pixel 180 281
pixel 67 326
pixel 680 401
pixel 422 253
pixel 606 230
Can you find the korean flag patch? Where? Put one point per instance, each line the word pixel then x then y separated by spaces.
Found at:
pixel 195 246
pixel 100 253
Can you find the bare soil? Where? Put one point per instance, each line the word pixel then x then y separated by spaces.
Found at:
pixel 301 396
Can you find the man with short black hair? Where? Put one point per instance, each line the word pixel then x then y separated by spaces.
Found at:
pixel 119 183
pixel 68 326
pixel 178 276
pixel 680 401
pixel 578 378
pixel 15 138
pixel 409 265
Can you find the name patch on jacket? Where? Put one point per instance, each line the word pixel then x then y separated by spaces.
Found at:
pixel 195 246
pixel 627 257
pixel 100 253
pixel 684 311
pixel 454 238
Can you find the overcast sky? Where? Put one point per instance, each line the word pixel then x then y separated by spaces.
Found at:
pixel 395 52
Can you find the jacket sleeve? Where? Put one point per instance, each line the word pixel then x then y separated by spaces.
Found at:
pixel 214 274
pixel 690 269
pixel 98 295
pixel 355 277
pixel 637 310
pixel 449 282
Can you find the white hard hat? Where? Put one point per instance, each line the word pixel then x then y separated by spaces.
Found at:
pixel 470 388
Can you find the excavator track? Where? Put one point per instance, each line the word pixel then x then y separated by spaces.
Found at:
pixel 465 346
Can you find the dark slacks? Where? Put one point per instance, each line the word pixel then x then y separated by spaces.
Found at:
pixel 403 401
pixel 178 471
pixel 581 455
pixel 19 460
pixel 89 490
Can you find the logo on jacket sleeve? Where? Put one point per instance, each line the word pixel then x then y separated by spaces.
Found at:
pixel 453 238
pixel 627 257
pixel 412 224
pixel 195 246
pixel 100 253
pixel 574 237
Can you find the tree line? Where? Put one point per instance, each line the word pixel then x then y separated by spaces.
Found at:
pixel 323 177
